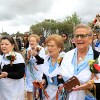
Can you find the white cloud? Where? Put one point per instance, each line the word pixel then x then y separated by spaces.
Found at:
pixel 19 15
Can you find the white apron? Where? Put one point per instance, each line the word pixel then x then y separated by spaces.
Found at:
pixel 51 89
pixel 12 89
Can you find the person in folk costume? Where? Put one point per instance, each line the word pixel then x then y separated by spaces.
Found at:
pixel 97 44
pixel 51 64
pixel 35 55
pixel 75 62
pixel 12 70
pixel 97 81
pixel 95 89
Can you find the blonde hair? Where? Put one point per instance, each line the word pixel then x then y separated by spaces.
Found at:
pixel 34 35
pixel 57 38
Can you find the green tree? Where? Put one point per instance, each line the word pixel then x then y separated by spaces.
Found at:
pixel 74 19
pixel 65 26
pixel 4 33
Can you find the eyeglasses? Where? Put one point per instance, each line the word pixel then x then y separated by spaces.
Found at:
pixel 63 36
pixel 82 36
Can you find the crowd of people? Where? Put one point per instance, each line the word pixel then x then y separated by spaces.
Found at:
pixel 50 63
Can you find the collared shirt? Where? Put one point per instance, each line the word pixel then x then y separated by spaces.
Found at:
pixel 84 63
pixel 53 80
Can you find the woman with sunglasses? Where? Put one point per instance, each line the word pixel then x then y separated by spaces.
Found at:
pixel 76 62
pixel 67 42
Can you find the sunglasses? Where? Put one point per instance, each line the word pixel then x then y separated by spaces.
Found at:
pixel 82 36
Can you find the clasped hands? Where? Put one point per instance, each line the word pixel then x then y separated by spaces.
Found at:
pixel 32 52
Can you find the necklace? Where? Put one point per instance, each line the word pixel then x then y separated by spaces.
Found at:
pixel 80 59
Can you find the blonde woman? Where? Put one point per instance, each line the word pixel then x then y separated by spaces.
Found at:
pixel 35 55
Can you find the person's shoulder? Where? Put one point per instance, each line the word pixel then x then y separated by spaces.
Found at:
pixel 47 57
pixel 19 58
pixel 95 51
pixel 17 54
pixel 62 54
pixel 41 48
pixel 71 51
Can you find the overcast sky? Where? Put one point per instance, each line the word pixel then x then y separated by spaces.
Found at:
pixel 19 15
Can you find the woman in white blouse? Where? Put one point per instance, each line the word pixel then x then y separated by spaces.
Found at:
pixel 35 55
pixel 12 71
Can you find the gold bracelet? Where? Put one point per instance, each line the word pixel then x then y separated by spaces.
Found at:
pixel 92 82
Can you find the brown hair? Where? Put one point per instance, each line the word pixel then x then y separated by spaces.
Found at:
pixel 34 35
pixel 57 38
pixel 11 40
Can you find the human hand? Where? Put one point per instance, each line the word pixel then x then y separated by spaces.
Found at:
pixel 60 77
pixel 36 81
pixel 3 75
pixel 43 81
pixel 34 52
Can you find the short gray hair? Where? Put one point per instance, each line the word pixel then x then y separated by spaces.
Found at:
pixel 83 26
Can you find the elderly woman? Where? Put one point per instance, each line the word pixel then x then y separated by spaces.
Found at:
pixel 75 62
pixel 12 71
pixel 51 65
pixel 35 55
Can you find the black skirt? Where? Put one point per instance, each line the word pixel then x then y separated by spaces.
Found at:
pixel 97 91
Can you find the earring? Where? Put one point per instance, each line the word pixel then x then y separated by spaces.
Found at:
pixel 59 50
